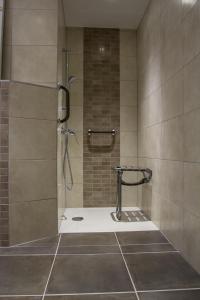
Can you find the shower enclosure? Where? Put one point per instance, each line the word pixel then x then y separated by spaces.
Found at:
pixel 101 132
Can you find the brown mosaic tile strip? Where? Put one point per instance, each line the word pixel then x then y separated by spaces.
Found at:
pixel 4 90
pixel 101 112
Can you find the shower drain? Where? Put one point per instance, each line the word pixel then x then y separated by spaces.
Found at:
pixel 77 219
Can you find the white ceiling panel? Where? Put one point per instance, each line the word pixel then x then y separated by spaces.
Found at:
pixel 104 13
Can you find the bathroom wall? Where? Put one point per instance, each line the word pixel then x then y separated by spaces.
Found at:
pixel 101 112
pixel 127 113
pixel 74 198
pixel 4 214
pixel 30 41
pixel 169 120
pixel 28 187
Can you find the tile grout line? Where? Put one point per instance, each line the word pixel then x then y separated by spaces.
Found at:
pixel 18 246
pixel 133 284
pixel 169 290
pixel 45 289
pixel 105 293
pixel 101 253
pixel 92 294
pixel 112 245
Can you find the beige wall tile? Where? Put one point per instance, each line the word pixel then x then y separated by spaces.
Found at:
pixel 191 240
pixel 154 165
pixel 146 201
pixel 77 170
pixel 128 118
pixel 7 35
pixel 192 188
pixel 61 203
pixel 129 145
pixel 172 65
pixel 150 80
pixel 152 141
pixel 128 68
pixel 75 197
pixel 39 220
pixel 32 139
pixel 76 145
pixel 172 36
pixel 192 136
pixel 129 196
pixel 76 90
pixel 128 93
pixel 191 32
pixel 187 5
pixel 155 209
pixel 191 85
pixel 76 118
pixel 76 65
pixel 151 112
pixel 171 12
pixel 29 101
pixel 127 42
pixel 171 181
pixel 32 180
pixel 75 40
pixel 40 64
pixel 40 29
pixel 33 4
pixel 172 222
pixel 172 139
pixel 172 97
pixel 172 62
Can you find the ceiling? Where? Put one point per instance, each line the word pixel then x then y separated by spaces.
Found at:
pixel 125 14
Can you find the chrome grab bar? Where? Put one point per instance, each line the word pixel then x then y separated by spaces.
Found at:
pixel 113 131
pixel 67 104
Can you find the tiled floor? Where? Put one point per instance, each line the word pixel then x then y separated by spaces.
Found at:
pixel 97 266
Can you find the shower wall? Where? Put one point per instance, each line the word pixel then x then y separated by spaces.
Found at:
pixel 128 112
pixel 28 188
pixel 169 120
pixel 101 112
pixel 107 102
pixel 30 41
pixel 74 198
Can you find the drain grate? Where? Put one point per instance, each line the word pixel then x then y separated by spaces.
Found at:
pixel 78 219
pixel 130 216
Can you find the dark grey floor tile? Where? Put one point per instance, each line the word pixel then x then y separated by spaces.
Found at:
pixel 161 271
pixel 78 239
pixel 24 275
pixel 46 242
pixel 141 237
pixel 176 295
pixel 21 298
pixel 94 297
pixel 89 249
pixel 89 274
pixel 27 251
pixel 147 248
pixel 43 246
